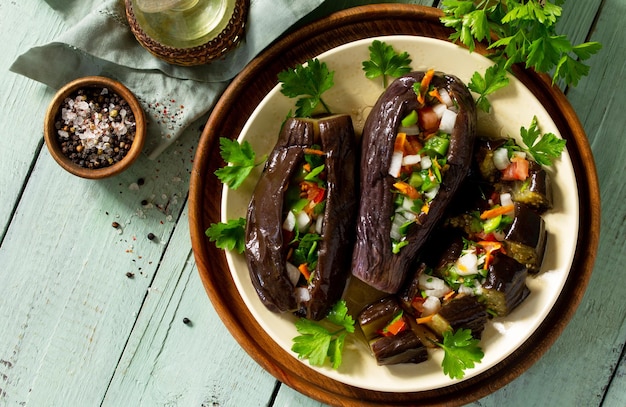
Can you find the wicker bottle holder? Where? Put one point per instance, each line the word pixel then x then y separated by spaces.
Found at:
pixel 215 48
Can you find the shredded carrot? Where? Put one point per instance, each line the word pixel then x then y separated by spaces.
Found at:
pixel 313 151
pixel 396 327
pixel 304 269
pixel 435 93
pixel 307 167
pixel 500 210
pixel 406 189
pixel 399 143
pixel 425 320
pixel 448 295
pixel 425 208
pixel 490 248
pixel 428 76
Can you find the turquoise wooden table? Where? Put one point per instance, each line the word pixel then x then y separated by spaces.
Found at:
pixel 94 315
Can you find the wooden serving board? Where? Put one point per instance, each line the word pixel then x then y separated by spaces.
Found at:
pixel 227 120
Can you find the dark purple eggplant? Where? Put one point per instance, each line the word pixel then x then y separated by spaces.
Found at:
pixel 373 260
pixel 389 348
pixel 265 246
pixel 535 191
pixel 405 347
pixel 461 312
pixel 525 239
pixel 505 286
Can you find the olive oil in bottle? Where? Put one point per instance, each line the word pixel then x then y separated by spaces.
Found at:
pixel 183 23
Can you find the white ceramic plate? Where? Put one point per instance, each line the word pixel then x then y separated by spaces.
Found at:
pixel 512 108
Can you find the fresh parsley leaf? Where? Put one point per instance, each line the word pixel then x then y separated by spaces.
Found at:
pixel 494 79
pixel 543 148
pixel 229 235
pixel 317 343
pixel 241 158
pixel 307 83
pixel 385 61
pixel 519 32
pixel 461 352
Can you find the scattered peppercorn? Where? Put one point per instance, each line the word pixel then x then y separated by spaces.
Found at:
pixel 144 202
pixel 186 321
pixel 115 225
pixel 130 275
pixel 151 236
pixel 141 181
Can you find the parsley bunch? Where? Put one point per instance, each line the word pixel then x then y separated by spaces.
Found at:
pixel 317 343
pixel 518 31
pixel 242 160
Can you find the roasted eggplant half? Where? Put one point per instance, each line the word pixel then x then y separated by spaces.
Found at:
pixel 417 146
pixel 301 218
pixel 461 312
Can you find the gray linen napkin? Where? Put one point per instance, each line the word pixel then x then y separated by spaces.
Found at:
pixel 98 41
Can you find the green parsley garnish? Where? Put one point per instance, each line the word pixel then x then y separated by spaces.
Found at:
pixel 385 61
pixel 543 148
pixel 229 235
pixel 525 32
pixel 317 343
pixel 242 159
pixel 307 83
pixel 461 352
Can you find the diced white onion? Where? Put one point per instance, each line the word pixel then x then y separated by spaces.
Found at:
pixel 431 306
pixel 463 289
pixel 426 162
pixel 409 215
pixel 407 204
pixel 499 235
pixel 448 119
pixel 411 159
pixel 445 97
pixel 520 154
pixel 432 193
pixel 394 233
pixel 303 221
pixel 506 199
pixel 319 225
pixel 467 264
pixel 501 158
pixel 433 286
pixel 293 273
pixel 302 294
pixel 409 130
pixel 396 164
pixel 290 222
pixel 439 109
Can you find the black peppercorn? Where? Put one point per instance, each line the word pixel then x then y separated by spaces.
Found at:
pixel 151 236
pixel 186 321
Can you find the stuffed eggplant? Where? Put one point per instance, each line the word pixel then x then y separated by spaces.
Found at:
pixel 417 146
pixel 301 218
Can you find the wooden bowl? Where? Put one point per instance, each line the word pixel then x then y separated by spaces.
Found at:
pixel 52 140
pixel 229 117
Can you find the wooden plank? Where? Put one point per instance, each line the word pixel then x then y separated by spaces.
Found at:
pixel 167 362
pixel 21 129
pixel 73 307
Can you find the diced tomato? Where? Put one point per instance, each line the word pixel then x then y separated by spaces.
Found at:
pixel 427 120
pixel 517 170
pixel 418 304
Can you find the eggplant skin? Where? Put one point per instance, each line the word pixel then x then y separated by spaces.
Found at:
pixel 265 249
pixel 373 260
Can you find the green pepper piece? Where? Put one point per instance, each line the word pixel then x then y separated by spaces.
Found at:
pixel 437 146
pixel 492 224
pixel 415 180
pixel 410 119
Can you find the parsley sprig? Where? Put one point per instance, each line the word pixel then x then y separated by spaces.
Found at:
pixel 385 61
pixel 544 148
pixel 307 83
pixel 461 352
pixel 317 342
pixel 229 235
pixel 517 31
pixel 242 160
